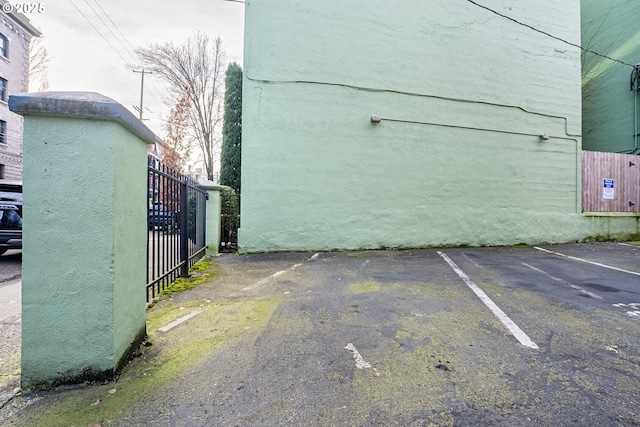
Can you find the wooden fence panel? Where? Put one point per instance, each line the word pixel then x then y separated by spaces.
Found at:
pixel 610 182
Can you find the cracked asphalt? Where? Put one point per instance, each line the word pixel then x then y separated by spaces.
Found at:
pixel 10 323
pixel 393 338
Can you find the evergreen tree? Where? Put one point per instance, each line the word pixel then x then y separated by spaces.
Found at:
pixel 232 129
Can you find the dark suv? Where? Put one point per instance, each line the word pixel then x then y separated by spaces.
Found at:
pixel 161 218
pixel 10 215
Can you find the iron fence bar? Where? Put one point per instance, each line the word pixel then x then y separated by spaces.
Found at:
pixel 150 188
pixel 167 274
pixel 176 226
pixel 184 236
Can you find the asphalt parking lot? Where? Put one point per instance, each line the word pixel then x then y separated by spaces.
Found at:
pixel 10 265
pixel 522 336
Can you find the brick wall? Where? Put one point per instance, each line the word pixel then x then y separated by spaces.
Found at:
pixel 14 69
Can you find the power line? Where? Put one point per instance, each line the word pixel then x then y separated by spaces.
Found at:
pixel 118 52
pixel 98 31
pixel 133 49
pixel 549 35
pixel 109 29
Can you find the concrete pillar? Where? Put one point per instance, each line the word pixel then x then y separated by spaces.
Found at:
pixel 84 249
pixel 213 217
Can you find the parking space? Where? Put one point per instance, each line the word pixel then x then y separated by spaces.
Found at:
pixel 582 276
pixel 402 338
pixel 399 338
pixel 439 354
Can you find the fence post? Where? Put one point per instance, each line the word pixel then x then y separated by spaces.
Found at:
pixel 85 234
pixel 213 217
pixel 184 232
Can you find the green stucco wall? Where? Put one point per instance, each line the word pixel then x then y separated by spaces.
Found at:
pixel 611 28
pixel 56 266
pixel 129 241
pixel 457 159
pixel 213 217
pixel 84 250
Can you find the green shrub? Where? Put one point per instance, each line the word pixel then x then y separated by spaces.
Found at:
pixel 230 213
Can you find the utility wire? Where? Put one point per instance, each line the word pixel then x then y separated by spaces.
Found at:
pixel 115 26
pixel 98 31
pixel 131 50
pixel 416 94
pixel 109 29
pixel 109 43
pixel 549 35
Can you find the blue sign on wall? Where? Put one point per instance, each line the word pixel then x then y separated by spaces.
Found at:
pixel 607 189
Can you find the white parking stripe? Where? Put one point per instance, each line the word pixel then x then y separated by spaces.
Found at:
pixel 266 279
pixel 360 362
pixel 571 285
pixel 635 273
pixel 627 244
pixel 468 258
pixel 502 317
pixel 180 321
pixel 276 274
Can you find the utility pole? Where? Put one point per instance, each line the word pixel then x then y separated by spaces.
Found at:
pixel 139 109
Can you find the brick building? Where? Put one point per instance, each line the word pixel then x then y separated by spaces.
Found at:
pixel 15 35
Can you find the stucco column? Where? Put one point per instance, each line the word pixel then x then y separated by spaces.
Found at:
pixel 84 250
pixel 213 216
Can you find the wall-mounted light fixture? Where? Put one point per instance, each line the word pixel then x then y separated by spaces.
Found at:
pixel 544 137
pixel 375 119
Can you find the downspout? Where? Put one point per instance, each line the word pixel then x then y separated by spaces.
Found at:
pixel 635 86
pixel 635 121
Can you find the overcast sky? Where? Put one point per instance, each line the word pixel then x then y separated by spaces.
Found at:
pixel 81 58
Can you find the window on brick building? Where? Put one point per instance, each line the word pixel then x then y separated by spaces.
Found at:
pixel 4 46
pixel 1 171
pixel 3 132
pixel 3 89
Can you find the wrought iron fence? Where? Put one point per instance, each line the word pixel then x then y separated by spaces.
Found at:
pixel 176 223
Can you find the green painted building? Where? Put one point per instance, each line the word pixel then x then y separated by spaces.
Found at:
pixel 611 109
pixel 368 125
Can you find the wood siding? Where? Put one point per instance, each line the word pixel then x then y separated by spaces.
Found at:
pixel 623 169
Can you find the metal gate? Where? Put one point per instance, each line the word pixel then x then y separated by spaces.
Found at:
pixel 176 223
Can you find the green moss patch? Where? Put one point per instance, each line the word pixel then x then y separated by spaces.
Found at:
pixel 170 355
pixel 200 273
pixel 365 287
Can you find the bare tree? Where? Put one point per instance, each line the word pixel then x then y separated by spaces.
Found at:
pixel 596 71
pixel 38 65
pixel 592 65
pixel 195 70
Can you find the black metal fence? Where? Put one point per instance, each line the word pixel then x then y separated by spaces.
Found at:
pixel 176 222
